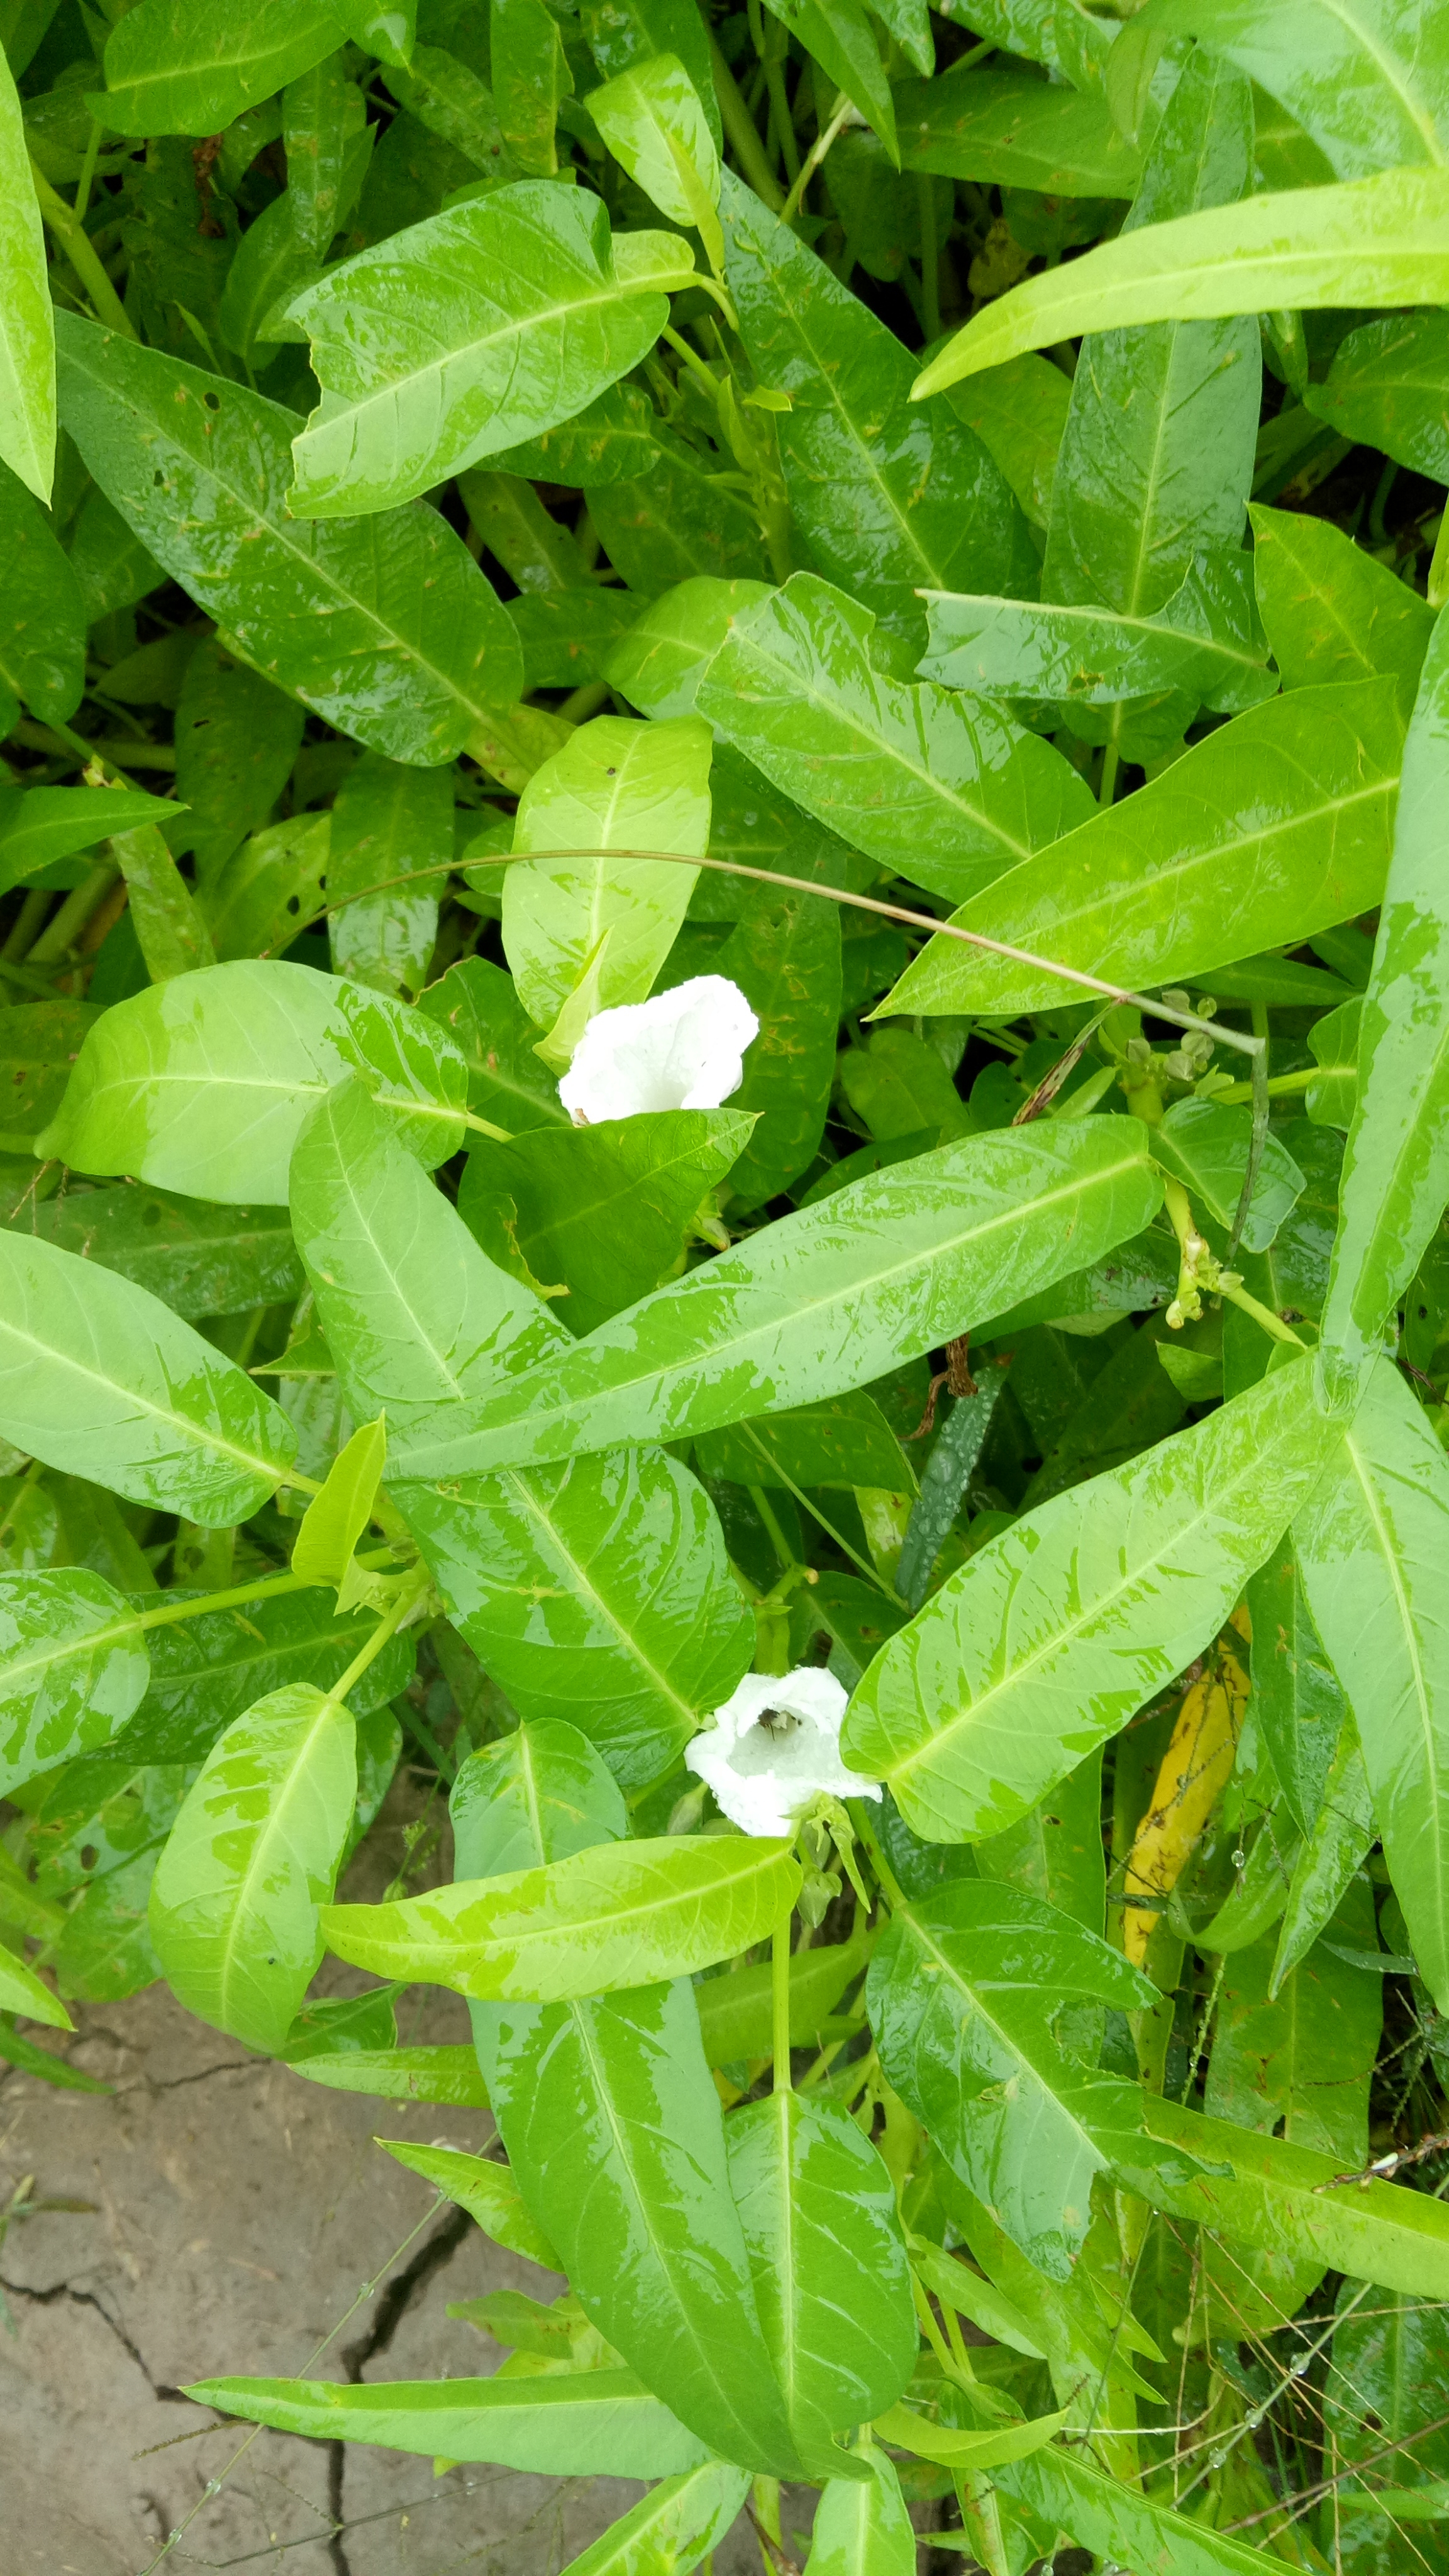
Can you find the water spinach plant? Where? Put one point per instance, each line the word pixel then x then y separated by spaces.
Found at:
pixel 724 922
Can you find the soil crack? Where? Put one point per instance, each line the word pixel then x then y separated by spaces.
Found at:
pixel 392 2306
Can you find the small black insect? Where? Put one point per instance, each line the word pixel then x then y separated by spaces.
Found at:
pixel 776 1721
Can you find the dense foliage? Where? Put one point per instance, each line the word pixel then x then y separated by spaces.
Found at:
pixel 723 902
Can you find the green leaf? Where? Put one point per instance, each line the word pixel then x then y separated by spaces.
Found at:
pixel 39 825
pixel 962 1993
pixel 477 1005
pixel 485 2189
pixel 198 1260
pixel 888 499
pixel 941 786
pixel 314 135
pixel 1332 611
pixel 1274 2196
pixel 39 1042
pixel 652 119
pixel 170 931
pixel 487 324
pixel 1297 2064
pixel 1097 1598
pixel 388 821
pixel 42 623
pixel 1396 1167
pixel 784 954
pixel 390 632
pixel 1020 412
pixel 659 662
pixel 627 1914
pixel 1298 1700
pixel 1157 458
pixel 1386 386
pixel 211 1668
pixel 844 1442
pixel 1206 1147
pixel 735 2016
pixel 824 2237
pixel 252 1857
pixel 671 2529
pixel 1089 656
pixel 1004 128
pixel 1107 2515
pixel 616 788
pixel 193 66
pixel 531 75
pixel 603 1212
pixel 968 2453
pixel 842 41
pixel 676 519
pixel 23 1992
pixel 1336 1846
pixel 653 2248
pixel 1370 84
pixel 1376 241
pixel 598 1591
pixel 258 895
pixel 336 1518
pixel 73 1665
pixel 597 2423
pixel 1369 1545
pixel 826 1298
pixel 1277 825
pixel 236 741
pixel 27 333
pixel 1058 1855
pixel 621 32
pixel 423 2074
pixel 863 2528
pixel 99 1378
pixel 203 1083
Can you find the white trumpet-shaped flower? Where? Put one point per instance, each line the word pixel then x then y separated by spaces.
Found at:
pixel 774 1748
pixel 679 1050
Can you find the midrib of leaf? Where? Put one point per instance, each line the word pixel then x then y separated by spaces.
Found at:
pixel 641 2200
pixel 1430 1085
pixel 1392 72
pixel 639 1910
pixel 141 85
pixel 235 1951
pixel 1153 628
pixel 1011 2046
pixel 526 1493
pixel 807 689
pixel 320 571
pixel 1384 1542
pixel 865 448
pixel 45 1651
pixel 607 293
pixel 273 1470
pixel 401 1104
pixel 725 1352
pixel 1182 1535
pixel 1204 856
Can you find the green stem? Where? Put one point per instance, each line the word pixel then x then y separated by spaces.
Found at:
pixel 692 360
pixel 784 122
pixel 840 118
pixel 391 1619
pixel 484 1126
pixel 63 737
pixel 867 1569
pixel 1281 1086
pixel 930 259
pixel 27 923
pixel 88 171
pixel 1108 787
pixel 1258 1136
pixel 167 1613
pixel 739 126
pixel 1271 1323
pixel 780 2001
pixel 1438 582
pixel 84 258
pixel 61 933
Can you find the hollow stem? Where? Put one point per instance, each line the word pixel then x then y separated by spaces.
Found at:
pixel 780 2000
pixel 84 258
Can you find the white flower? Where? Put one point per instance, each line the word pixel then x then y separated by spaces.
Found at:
pixel 774 1748
pixel 678 1050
